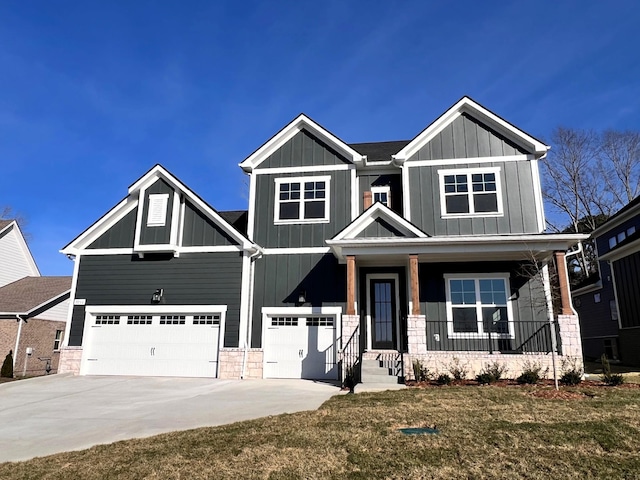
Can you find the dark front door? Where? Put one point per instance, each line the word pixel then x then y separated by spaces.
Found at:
pixel 383 313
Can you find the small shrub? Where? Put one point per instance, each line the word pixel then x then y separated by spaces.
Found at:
pixel 7 366
pixel 457 370
pixel 350 378
pixel 420 372
pixel 571 372
pixel 530 373
pixel 443 379
pixel 609 378
pixel 491 372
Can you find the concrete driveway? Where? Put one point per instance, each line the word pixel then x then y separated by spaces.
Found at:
pixel 59 413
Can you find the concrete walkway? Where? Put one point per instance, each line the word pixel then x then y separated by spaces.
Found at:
pixel 58 413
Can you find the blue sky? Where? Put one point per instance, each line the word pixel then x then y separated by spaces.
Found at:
pixel 92 94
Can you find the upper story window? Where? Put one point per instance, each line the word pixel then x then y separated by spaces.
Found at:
pixel 302 200
pixel 157 213
pixel 621 237
pixel 382 195
pixel 468 192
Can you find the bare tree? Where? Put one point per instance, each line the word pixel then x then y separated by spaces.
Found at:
pixel 8 213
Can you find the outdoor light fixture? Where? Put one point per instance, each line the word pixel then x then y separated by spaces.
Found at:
pixel 157 295
pixel 302 297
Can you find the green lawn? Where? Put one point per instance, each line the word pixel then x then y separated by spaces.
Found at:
pixel 485 432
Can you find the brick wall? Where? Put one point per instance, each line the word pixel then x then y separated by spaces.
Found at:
pixel 8 332
pixel 39 335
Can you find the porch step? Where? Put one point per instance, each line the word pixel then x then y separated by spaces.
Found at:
pixel 372 372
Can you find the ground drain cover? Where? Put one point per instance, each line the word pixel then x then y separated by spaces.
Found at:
pixel 419 431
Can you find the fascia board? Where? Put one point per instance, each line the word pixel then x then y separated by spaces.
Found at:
pixel 50 303
pixel 289 131
pixel 378 210
pixel 466 104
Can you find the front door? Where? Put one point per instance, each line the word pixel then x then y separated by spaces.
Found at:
pixel 383 312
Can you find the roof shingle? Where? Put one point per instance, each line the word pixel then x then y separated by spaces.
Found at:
pixel 22 296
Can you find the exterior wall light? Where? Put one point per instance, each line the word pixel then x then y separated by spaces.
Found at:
pixel 157 295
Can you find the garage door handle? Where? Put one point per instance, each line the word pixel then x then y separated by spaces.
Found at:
pixel 153 351
pixel 301 353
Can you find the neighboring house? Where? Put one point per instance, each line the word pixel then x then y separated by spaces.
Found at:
pixel 610 307
pixel 364 255
pixel 33 309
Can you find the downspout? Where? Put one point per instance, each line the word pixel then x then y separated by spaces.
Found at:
pixel 567 255
pixel 552 325
pixel 15 350
pixel 252 258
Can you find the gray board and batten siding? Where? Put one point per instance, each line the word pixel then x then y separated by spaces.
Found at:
pixel 201 231
pixel 269 235
pixel 518 200
pixel 391 180
pixel 120 235
pixel 157 235
pixel 626 271
pixel 303 150
pixel 528 302
pixel 279 279
pixel 380 228
pixel 191 279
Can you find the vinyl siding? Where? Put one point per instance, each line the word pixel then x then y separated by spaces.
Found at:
pixel 121 235
pixel 518 199
pixel 14 264
pixel 191 279
pixel 304 149
pixel 157 235
pixel 201 231
pixel 627 274
pixel 280 278
pixel 269 235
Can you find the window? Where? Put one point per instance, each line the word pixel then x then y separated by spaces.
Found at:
pixel 57 340
pixel 302 200
pixel 157 213
pixel 478 306
pixel 613 308
pixel 382 195
pixel 613 242
pixel 284 321
pixel 631 230
pixel 470 192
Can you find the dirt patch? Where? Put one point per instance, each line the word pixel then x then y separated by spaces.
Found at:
pixel 552 394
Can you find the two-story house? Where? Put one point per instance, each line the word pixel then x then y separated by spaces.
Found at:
pixel 430 249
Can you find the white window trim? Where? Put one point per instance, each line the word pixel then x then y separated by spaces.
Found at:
pixel 481 333
pixel 469 172
pixel 58 340
pixel 301 180
pixel 384 189
pixel 158 204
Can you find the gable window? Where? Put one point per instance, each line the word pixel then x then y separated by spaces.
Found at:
pixel 382 195
pixel 157 213
pixel 478 305
pixel 57 340
pixel 302 200
pixel 470 192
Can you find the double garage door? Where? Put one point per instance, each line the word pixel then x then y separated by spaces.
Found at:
pixel 173 345
pixel 300 347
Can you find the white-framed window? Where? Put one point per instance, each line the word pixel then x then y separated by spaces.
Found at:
pixel 157 213
pixel 470 192
pixel 302 200
pixel 478 304
pixel 57 340
pixel 382 195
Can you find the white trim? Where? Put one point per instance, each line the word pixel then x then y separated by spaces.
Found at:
pixel 476 277
pixel 205 249
pixel 469 172
pixel 163 248
pixel 252 207
pixel 158 206
pixel 294 311
pixel 107 251
pixel 139 215
pixel 244 301
pixel 302 122
pixel 301 201
pixel 355 195
pixel 467 160
pixel 183 207
pixel 383 189
pixel 382 276
pixel 295 251
pixel 467 105
pixel 537 187
pixel 305 169
pixel 406 197
pixel 72 299
pixel 153 309
pixel 176 219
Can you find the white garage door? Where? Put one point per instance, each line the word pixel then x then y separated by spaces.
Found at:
pixel 300 347
pixel 152 345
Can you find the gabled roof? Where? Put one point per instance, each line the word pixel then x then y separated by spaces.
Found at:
pixel 379 211
pixel 31 294
pixel 301 122
pixel 5 226
pixel 379 151
pixel 131 201
pixel 474 109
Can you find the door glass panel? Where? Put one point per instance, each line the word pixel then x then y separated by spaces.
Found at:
pixel 383 311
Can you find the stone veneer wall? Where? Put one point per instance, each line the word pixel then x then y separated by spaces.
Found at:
pixel 230 363
pixel 439 361
pixel 350 324
pixel 69 361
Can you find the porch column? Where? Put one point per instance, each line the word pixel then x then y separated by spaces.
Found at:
pixel 367 200
pixel 351 285
pixel 415 285
pixel 563 280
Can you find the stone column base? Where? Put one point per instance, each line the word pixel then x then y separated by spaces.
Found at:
pixel 230 363
pixel 69 361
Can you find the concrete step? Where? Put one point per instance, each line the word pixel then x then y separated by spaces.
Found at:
pixel 384 379
pixel 372 373
pixel 377 387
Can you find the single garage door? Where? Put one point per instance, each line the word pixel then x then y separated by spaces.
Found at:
pixel 300 347
pixel 152 345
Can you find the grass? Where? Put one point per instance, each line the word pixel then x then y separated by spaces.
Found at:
pixel 630 374
pixel 485 432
